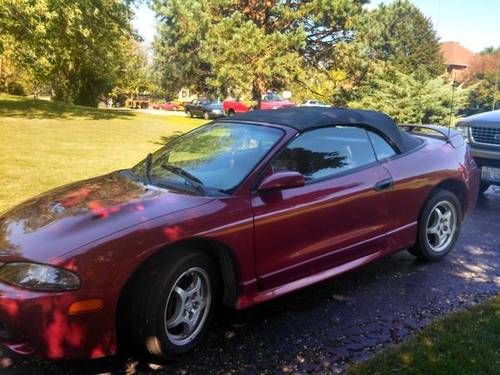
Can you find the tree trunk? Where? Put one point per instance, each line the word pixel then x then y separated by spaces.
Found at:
pixel 258 89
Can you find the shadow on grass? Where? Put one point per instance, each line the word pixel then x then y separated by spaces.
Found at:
pixel 42 109
pixel 168 138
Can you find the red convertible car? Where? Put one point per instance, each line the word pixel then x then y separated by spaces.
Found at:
pixel 239 211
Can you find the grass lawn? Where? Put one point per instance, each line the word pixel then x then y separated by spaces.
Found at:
pixel 45 144
pixel 464 343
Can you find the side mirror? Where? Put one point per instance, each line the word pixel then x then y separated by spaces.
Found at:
pixel 282 180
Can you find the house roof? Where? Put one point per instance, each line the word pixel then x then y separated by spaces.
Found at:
pixel 455 54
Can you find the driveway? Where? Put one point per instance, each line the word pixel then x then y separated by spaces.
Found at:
pixel 321 328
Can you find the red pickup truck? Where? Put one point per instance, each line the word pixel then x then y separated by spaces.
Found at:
pixel 269 101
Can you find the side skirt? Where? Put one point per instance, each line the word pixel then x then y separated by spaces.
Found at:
pixel 245 301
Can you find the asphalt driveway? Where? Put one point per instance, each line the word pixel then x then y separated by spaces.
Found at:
pixel 321 328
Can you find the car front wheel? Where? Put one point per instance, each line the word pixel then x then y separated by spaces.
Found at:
pixel 438 227
pixel 173 303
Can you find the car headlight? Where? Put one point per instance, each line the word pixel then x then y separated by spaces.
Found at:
pixel 39 277
pixel 464 131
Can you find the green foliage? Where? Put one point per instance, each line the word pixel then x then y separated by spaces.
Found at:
pixel 135 73
pixel 410 99
pixel 247 46
pixel 180 34
pixel 464 343
pixel 484 80
pixel 74 46
pixel 485 95
pixel 400 34
pixel 244 55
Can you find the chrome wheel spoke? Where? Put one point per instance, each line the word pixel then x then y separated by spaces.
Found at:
pixel 195 289
pixel 441 226
pixel 434 229
pixel 190 299
pixel 177 319
pixel 181 293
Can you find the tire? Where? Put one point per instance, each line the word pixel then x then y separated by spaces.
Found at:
pixel 189 113
pixel 230 112
pixel 438 226
pixel 206 115
pixel 154 301
pixel 483 187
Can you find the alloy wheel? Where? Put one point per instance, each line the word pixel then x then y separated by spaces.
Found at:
pixel 188 306
pixel 441 226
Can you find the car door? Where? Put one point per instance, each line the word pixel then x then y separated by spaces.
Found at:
pixel 338 216
pixel 195 107
pixel 404 199
pixel 203 107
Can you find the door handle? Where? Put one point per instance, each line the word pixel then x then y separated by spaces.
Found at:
pixel 384 184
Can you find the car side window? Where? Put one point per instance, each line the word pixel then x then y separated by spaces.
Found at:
pixel 326 152
pixel 382 148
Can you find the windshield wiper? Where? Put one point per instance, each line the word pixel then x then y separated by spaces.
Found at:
pixel 192 180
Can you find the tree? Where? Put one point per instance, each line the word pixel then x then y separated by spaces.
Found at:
pixel 410 99
pixel 484 75
pixel 210 44
pixel 236 43
pixel 181 30
pixel 400 34
pixel 74 46
pixel 135 73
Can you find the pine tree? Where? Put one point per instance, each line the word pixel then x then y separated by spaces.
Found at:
pixel 400 34
pixel 247 45
pixel 409 98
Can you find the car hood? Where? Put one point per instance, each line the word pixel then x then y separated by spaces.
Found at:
pixel 61 220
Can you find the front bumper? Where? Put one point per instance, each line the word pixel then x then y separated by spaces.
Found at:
pixel 38 324
pixel 486 157
pixel 216 114
pixel 485 153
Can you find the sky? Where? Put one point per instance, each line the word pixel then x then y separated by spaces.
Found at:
pixel 475 24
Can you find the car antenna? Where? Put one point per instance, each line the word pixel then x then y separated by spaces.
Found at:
pixel 451 103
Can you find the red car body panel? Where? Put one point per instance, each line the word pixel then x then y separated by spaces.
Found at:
pixel 168 106
pixel 236 106
pixel 105 228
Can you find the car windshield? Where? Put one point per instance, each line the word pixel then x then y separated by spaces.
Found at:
pixel 272 97
pixel 217 157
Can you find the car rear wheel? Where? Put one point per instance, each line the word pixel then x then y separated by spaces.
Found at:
pixel 230 112
pixel 438 226
pixel 206 115
pixel 172 303
pixel 189 113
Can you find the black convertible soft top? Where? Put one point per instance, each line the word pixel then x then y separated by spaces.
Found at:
pixel 305 118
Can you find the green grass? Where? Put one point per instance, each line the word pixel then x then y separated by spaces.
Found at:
pixel 464 343
pixel 45 144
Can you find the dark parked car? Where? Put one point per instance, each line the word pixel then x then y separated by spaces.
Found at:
pixel 204 108
pixel 482 132
pixel 239 211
